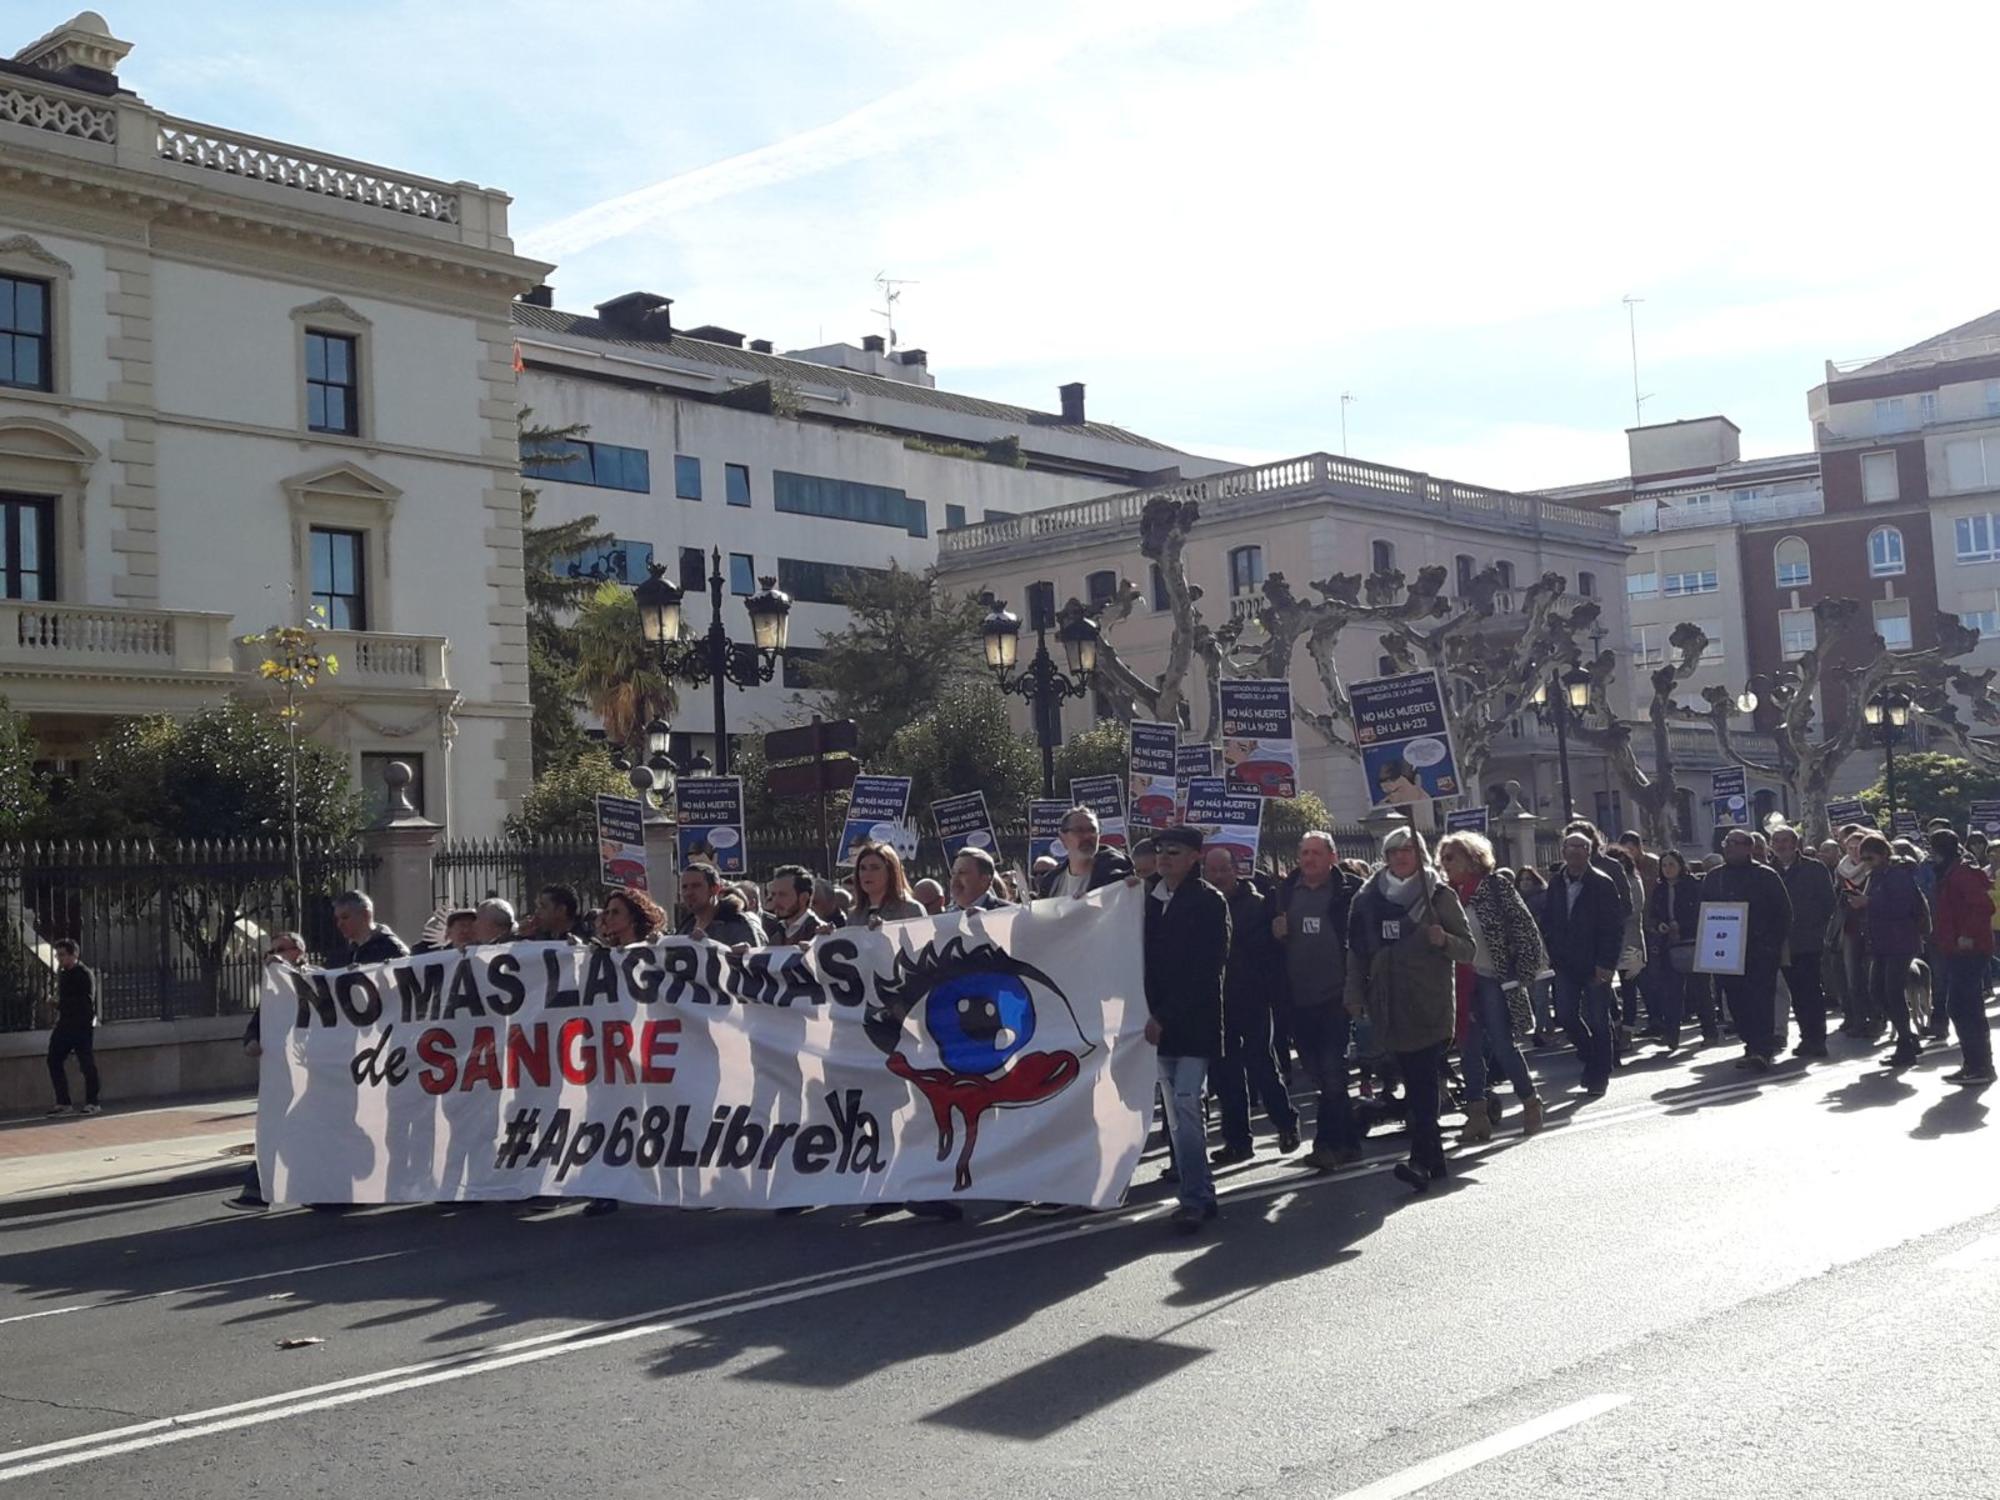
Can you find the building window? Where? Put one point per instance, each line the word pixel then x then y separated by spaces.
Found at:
pixel 1711 655
pixel 1885 552
pixel 1696 581
pixel 616 561
pixel 1099 587
pixel 694 570
pixel 1246 570
pixel 1927 408
pixel 811 582
pixel 1644 585
pixel 1794 563
pixel 954 516
pixel 800 664
pixel 1985 621
pixel 687 477
pixel 375 781
pixel 1892 623
pixel 333 391
pixel 603 465
pixel 27 547
pixel 1161 599
pixel 1503 573
pixel 736 484
pixel 849 500
pixel 1878 477
pixel 1972 463
pixel 1993 398
pixel 24 334
pixel 1586 584
pixel 1649 645
pixel 1798 632
pixel 1382 556
pixel 1889 415
pixel 742 574
pixel 1973 536
pixel 1465 567
pixel 340 578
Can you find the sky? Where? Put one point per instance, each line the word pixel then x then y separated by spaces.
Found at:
pixel 1219 215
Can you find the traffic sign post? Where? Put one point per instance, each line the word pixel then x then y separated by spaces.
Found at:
pixel 826 765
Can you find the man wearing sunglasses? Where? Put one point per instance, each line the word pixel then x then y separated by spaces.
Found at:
pixel 1090 865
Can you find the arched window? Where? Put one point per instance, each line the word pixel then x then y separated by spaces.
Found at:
pixel 1100 586
pixel 1885 552
pixel 1586 585
pixel 1382 556
pixel 1794 563
pixel 1246 570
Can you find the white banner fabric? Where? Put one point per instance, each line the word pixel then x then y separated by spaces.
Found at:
pixel 987 1055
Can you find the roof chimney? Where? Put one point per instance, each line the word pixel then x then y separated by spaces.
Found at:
pixel 760 346
pixel 540 296
pixel 874 343
pixel 715 333
pixel 639 315
pixel 1072 401
pixel 915 357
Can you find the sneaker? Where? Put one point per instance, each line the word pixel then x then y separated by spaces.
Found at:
pixel 1972 1078
pixel 90 1109
pixel 59 1110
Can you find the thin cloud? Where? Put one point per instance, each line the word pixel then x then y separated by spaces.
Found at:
pixel 929 107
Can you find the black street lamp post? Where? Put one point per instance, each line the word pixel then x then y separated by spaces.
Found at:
pixel 714 657
pixel 1888 713
pixel 1563 694
pixel 1042 683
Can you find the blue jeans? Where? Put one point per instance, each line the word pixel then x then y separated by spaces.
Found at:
pixel 1187 1133
pixel 1666 996
pixel 1491 1026
pixel 1584 1011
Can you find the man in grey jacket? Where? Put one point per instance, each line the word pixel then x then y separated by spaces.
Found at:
pixel 1810 885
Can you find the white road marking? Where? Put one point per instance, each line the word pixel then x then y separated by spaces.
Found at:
pixel 1431 1470
pixel 1981 1252
pixel 205 1286
pixel 20 1463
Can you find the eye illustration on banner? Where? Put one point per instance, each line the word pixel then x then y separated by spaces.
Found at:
pixel 974 1029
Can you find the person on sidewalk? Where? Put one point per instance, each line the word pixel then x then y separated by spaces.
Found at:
pixel 1964 945
pixel 363 940
pixel 1507 955
pixel 1898 921
pixel 1252 983
pixel 1752 996
pixel 1187 950
pixel 75 1030
pixel 1405 932
pixel 1809 883
pixel 1310 921
pixel 1583 927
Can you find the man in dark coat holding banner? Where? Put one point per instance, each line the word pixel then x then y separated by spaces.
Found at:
pixel 1753 994
pixel 1187 947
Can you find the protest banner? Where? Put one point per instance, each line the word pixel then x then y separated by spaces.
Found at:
pixel 1846 810
pixel 1227 815
pixel 1730 794
pixel 1404 738
pixel 878 808
pixel 621 841
pixel 1467 820
pixel 1984 816
pixel 1720 932
pixel 1105 796
pixel 1191 761
pixel 709 810
pixel 1045 830
pixel 1151 761
pixel 962 823
pixel 1259 749
pixel 677 1072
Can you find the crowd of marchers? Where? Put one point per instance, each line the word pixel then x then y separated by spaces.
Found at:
pixel 1396 992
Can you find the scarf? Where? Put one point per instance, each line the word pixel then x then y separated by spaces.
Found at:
pixel 1403 892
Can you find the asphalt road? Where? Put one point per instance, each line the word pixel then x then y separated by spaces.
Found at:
pixel 1700 1285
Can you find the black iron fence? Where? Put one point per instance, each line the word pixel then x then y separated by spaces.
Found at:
pixel 170 930
pixel 465 872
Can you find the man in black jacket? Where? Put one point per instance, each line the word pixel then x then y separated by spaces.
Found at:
pixel 1810 885
pixel 75 1030
pixel 1583 925
pixel 1090 865
pixel 1187 947
pixel 1753 994
pixel 363 940
pixel 1309 922
pixel 1251 985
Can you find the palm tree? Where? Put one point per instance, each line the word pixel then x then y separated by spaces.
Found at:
pixel 617 672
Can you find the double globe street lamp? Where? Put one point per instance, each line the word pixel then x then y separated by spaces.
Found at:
pixel 1888 714
pixel 1042 683
pixel 712 657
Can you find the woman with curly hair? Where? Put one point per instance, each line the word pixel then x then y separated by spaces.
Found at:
pixel 1507 955
pixel 629 916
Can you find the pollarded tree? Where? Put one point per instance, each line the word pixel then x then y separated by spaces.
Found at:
pixel 1603 730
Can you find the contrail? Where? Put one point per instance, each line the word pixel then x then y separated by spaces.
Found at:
pixel 914 112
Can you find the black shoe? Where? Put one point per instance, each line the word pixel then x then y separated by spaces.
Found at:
pixel 597 1208
pixel 1229 1156
pixel 944 1213
pixel 1437 1172
pixel 1288 1139
pixel 1906 1053
pixel 1810 1049
pixel 1594 1090
pixel 1972 1078
pixel 1496 1111
pixel 1418 1180
pixel 1711 1035
pixel 1187 1218
pixel 1168 1174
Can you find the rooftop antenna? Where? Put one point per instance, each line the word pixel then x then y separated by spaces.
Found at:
pixel 1632 324
pixel 891 295
pixel 1347 398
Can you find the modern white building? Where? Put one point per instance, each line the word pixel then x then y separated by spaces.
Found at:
pixel 240 378
pixel 803 467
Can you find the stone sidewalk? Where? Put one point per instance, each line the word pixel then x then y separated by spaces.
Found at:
pixel 72 1157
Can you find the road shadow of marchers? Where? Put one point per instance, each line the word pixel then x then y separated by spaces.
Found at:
pixel 1958 1112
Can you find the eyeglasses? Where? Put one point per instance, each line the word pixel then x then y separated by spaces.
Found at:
pixel 1076 828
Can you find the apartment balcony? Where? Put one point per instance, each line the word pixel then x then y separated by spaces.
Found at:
pixel 107 640
pixel 373 661
pixel 1642 518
